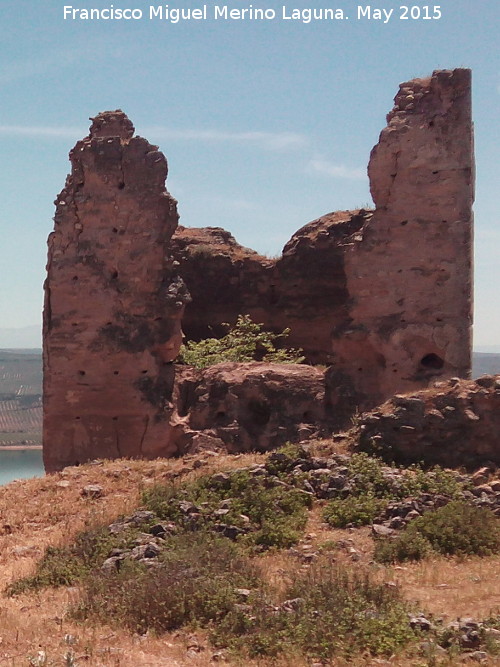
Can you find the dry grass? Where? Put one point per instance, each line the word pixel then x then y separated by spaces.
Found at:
pixel 451 587
pixel 36 513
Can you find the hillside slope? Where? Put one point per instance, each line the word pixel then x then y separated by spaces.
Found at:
pixel 50 511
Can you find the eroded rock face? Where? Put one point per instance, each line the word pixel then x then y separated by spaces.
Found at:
pixel 382 296
pixel 113 302
pixel 409 277
pixel 304 290
pixel 245 407
pixel 225 279
pixel 454 423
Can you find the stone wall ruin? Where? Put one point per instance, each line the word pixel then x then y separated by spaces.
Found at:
pixel 383 297
pixel 113 302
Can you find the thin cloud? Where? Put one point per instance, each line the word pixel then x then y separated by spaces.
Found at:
pixel 327 168
pixel 81 53
pixel 233 204
pixel 269 140
pixel 28 68
pixel 40 131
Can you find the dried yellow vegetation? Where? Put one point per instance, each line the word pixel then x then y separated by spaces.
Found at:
pixel 35 630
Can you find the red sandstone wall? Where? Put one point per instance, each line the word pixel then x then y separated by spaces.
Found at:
pixel 384 297
pixel 409 277
pixel 305 289
pixel 112 302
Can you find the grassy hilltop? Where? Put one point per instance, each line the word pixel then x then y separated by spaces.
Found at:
pixel 278 559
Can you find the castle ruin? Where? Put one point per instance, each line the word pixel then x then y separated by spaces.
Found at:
pixel 383 297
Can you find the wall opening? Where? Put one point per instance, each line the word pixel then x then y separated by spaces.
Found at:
pixel 432 361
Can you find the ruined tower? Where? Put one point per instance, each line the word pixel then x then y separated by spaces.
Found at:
pixel 113 302
pixel 383 297
pixel 409 273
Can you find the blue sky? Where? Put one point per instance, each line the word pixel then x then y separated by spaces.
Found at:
pixel 265 125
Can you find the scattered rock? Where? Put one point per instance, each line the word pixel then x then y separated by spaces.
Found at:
pixel 382 531
pixel 420 623
pixel 150 550
pixel 476 656
pixel 455 439
pixel 92 491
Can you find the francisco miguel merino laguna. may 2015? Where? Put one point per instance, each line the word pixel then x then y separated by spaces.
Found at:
pixel 250 13
pixel 203 12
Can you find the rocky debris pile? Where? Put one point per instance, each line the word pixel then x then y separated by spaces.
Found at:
pixel 468 635
pixel 453 423
pixel 293 476
pixel 144 547
pixel 409 492
pixel 249 407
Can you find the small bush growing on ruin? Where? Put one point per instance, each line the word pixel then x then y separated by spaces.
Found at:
pixel 245 341
pixel 455 529
pixel 355 510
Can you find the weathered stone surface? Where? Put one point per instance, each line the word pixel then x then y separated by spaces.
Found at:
pixel 245 407
pixel 113 302
pixel 409 278
pixel 383 296
pixel 225 279
pixel 454 425
pixel 304 290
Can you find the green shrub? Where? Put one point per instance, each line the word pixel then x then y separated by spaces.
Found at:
pixel 245 341
pixel 410 545
pixel 63 566
pixel 455 529
pixel 367 475
pixel 358 510
pixel 436 480
pixel 333 612
pixel 270 514
pixel 195 582
pixel 460 528
pixel 283 459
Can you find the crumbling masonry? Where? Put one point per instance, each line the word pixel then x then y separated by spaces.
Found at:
pixel 113 303
pixel 382 297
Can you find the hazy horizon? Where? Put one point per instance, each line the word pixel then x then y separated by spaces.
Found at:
pixel 30 338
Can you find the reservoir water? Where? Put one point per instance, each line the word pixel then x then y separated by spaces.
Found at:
pixel 20 464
